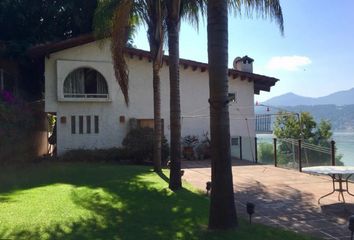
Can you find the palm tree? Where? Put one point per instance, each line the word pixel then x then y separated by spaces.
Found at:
pixel 175 10
pixel 222 206
pixel 154 19
pixel 114 18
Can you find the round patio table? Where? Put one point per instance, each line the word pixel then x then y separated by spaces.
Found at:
pixel 339 174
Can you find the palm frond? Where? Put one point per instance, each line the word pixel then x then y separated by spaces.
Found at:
pixel 103 18
pixel 263 8
pixel 154 18
pixel 120 28
pixel 116 19
pixel 192 10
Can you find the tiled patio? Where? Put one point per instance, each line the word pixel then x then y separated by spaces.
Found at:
pixel 283 198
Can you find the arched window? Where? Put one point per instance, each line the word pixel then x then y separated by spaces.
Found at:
pixel 85 83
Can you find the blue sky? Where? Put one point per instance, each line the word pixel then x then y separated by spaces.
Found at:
pixel 315 57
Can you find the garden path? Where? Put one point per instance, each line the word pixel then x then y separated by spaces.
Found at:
pixel 283 198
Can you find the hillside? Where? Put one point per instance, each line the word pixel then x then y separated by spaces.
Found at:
pixel 337 107
pixel 341 117
pixel 290 99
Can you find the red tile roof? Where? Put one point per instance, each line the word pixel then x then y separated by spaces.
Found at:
pixel 261 82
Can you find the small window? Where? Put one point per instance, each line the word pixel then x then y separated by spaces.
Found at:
pixel 150 124
pixel 234 141
pixel 73 124
pixel 143 123
pixel 232 97
pixel 85 83
pixel 88 124
pixel 96 124
pixel 81 124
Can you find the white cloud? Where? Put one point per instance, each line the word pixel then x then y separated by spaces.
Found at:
pixel 289 63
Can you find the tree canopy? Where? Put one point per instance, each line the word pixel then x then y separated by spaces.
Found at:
pixel 28 22
pixel 297 126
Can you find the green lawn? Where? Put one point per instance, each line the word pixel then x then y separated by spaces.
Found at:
pixel 106 201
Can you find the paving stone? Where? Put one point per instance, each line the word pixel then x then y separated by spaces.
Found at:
pixel 283 198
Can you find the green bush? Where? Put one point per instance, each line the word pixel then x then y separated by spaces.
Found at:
pixel 139 145
pixel 95 155
pixel 15 121
pixel 266 153
pixel 18 124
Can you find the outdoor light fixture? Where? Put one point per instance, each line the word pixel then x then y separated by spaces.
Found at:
pixel 351 225
pixel 122 119
pixel 250 210
pixel 208 187
pixel 63 119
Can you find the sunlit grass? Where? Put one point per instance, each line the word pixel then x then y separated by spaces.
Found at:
pixel 107 201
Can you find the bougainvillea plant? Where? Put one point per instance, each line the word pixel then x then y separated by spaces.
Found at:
pixel 17 123
pixel 7 96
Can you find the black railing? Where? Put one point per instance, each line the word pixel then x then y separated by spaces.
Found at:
pixel 286 153
pixel 297 153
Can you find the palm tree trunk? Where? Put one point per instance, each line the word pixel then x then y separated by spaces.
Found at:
pixel 222 213
pixel 157 117
pixel 175 108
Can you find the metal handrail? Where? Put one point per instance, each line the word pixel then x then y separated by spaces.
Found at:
pixel 86 95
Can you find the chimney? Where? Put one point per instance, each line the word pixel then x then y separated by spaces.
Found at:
pixel 244 64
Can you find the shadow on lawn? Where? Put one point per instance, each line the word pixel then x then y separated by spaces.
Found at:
pixel 128 202
pixel 123 205
pixel 164 177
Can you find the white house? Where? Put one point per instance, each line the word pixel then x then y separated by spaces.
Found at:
pixel 81 89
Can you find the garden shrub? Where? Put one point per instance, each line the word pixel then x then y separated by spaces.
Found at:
pixel 95 155
pixel 137 147
pixel 139 144
pixel 18 125
pixel 202 149
pixel 266 153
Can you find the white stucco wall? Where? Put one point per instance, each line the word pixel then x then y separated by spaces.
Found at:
pixel 242 118
pixel 194 99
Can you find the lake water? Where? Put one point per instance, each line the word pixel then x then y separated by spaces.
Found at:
pixel 344 142
pixel 345 146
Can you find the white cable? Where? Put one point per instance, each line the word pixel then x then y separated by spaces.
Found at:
pixel 197 110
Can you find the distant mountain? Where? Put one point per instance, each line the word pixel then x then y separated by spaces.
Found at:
pixel 290 99
pixel 337 107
